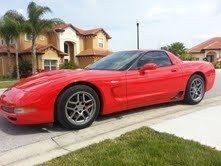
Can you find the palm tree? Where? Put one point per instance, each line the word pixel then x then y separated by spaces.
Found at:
pixel 16 22
pixel 5 33
pixel 37 25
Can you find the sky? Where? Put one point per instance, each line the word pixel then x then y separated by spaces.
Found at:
pixel 162 22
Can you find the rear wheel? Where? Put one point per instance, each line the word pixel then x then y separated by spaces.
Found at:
pixel 195 89
pixel 77 107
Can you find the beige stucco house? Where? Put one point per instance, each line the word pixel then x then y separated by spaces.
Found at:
pixel 210 49
pixel 64 42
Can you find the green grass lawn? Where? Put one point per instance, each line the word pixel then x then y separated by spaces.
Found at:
pixel 7 83
pixel 142 147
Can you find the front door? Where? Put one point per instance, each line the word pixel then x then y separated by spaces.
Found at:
pixel 210 58
pixel 155 86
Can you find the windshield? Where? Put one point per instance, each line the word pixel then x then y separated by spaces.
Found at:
pixel 116 61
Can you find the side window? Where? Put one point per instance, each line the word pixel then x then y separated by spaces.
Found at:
pixel 160 58
pixel 28 37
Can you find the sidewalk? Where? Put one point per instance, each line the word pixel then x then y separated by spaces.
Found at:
pixel 203 126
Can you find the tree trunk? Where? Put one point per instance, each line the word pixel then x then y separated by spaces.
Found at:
pixel 17 61
pixel 9 72
pixel 34 58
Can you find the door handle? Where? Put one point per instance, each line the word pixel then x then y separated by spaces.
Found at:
pixel 173 70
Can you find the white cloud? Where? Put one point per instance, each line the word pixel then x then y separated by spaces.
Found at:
pixel 22 11
pixel 190 10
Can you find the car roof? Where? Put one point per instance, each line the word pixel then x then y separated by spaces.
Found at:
pixel 141 50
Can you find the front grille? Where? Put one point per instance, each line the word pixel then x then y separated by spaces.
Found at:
pixel 7 109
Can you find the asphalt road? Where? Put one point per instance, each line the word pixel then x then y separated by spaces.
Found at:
pixel 12 136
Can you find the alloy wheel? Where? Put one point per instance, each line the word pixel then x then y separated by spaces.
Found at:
pixel 197 89
pixel 80 108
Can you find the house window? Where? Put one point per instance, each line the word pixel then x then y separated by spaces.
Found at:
pixel 28 37
pixel 11 41
pixel 100 42
pixel 50 64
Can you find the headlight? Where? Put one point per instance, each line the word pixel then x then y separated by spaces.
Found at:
pixel 7 109
pixel 23 110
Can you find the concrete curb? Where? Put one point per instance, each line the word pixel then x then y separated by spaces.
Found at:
pixel 42 151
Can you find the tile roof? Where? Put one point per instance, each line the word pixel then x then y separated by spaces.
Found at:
pixel 41 48
pixel 4 49
pixel 94 52
pixel 211 44
pixel 79 31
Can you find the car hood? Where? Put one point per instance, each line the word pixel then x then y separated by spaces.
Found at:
pixel 48 78
pixel 44 79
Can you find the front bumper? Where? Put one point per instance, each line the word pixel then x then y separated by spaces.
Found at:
pixel 11 117
pixel 20 118
pixel 38 110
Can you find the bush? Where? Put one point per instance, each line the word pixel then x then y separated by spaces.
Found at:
pixel 68 65
pixel 217 65
pixel 25 68
pixel 6 77
pixel 187 57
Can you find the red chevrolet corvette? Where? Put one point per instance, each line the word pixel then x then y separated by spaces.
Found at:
pixel 121 81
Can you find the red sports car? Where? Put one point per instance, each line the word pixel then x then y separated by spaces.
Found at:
pixel 121 81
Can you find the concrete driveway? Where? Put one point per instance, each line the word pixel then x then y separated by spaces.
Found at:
pixel 202 126
pixel 44 138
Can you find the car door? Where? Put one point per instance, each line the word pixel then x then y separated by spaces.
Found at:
pixel 154 86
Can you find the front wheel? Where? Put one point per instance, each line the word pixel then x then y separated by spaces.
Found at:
pixel 195 90
pixel 77 107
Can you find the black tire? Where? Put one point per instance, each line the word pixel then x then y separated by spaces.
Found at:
pixel 188 99
pixel 62 101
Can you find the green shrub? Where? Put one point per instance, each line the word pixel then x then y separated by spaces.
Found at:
pixel 25 68
pixel 187 57
pixel 6 77
pixel 68 65
pixel 217 65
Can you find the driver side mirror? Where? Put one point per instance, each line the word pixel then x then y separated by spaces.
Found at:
pixel 148 66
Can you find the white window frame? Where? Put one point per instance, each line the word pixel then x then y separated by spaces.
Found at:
pixel 26 37
pixel 100 38
pixel 12 41
pixel 50 65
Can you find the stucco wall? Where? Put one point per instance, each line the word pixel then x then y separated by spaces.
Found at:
pixel 53 39
pixel 201 56
pixel 87 60
pixel 213 52
pixel 23 43
pixel 4 68
pixel 105 40
pixel 69 35
pixel 88 43
pixel 81 43
pixel 92 42
pixel 198 55
pixel 50 55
